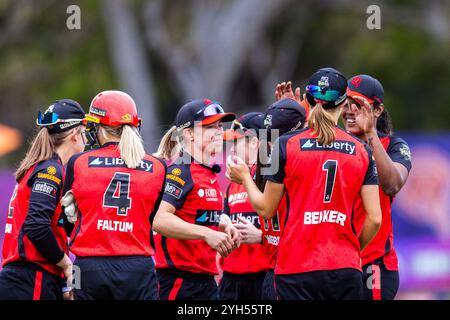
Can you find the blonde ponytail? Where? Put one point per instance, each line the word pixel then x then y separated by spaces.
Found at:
pixel 130 146
pixel 42 148
pixel 169 146
pixel 323 125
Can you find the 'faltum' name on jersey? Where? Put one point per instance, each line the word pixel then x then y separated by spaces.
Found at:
pixel 112 225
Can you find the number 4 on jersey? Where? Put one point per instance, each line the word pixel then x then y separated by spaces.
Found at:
pixel 117 195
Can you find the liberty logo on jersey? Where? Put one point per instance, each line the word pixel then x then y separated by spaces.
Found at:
pixel 208 217
pixel 342 146
pixel 113 162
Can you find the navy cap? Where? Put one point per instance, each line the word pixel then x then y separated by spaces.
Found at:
pixel 328 79
pixel 367 87
pixel 285 115
pixel 248 124
pixel 204 110
pixel 61 116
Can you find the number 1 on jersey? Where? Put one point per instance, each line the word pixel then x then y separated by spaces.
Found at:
pixel 117 195
pixel 330 166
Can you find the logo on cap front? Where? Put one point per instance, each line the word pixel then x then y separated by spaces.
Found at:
pixel 323 82
pixel 356 81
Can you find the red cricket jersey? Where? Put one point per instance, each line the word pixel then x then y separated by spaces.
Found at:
pixel 116 204
pixel 36 196
pixel 271 232
pixel 382 246
pixel 194 191
pixel 248 258
pixel 322 184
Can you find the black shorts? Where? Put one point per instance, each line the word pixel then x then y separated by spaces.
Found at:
pixel 379 283
pixel 241 286
pixel 175 284
pixel 268 291
pixel 28 281
pixel 116 278
pixel 340 284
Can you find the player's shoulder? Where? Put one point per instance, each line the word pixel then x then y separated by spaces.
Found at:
pixel 156 160
pixel 284 138
pixel 351 136
pixel 50 169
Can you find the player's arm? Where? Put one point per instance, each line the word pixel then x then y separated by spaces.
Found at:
pixel 170 225
pixel 68 182
pixel 392 175
pixel 371 200
pixel 265 203
pixel 45 186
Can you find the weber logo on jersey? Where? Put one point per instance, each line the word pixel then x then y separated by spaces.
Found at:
pixel 208 217
pixel 346 147
pixel 113 162
pixel 173 190
pixel 45 188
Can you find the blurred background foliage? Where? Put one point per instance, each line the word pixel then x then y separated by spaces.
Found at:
pixel 233 51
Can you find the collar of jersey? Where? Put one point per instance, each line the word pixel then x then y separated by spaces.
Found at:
pixel 190 160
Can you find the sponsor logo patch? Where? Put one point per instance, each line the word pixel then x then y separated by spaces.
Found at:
pixel 405 152
pixel 97 111
pixel 112 162
pixel 176 171
pixel 175 178
pixel 48 177
pixel 51 170
pixel 45 188
pixel 341 146
pixel 208 217
pixel 173 190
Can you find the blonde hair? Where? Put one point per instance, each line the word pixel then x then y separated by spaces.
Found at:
pixel 42 148
pixel 131 148
pixel 323 124
pixel 169 146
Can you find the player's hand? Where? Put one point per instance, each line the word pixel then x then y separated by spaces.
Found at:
pixel 67 267
pixel 364 116
pixel 249 233
pixel 284 90
pixel 70 207
pixel 219 241
pixel 233 232
pixel 237 169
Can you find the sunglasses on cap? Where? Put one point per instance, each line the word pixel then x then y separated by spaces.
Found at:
pixel 51 118
pixel 207 111
pixel 322 94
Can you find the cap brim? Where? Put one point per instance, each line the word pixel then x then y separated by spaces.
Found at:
pixel 351 94
pixel 224 117
pixel 230 135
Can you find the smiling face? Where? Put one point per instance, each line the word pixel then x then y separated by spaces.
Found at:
pixel 349 117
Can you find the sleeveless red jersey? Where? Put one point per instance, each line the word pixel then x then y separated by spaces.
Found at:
pixel 322 184
pixel 248 258
pixel 116 204
pixel 36 197
pixel 382 246
pixel 194 191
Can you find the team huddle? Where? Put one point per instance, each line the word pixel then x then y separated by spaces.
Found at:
pixel 306 214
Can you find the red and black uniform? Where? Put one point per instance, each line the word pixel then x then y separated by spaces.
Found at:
pixel 379 258
pixel 186 268
pixel 319 254
pixel 112 235
pixel 271 232
pixel 245 268
pixel 35 239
